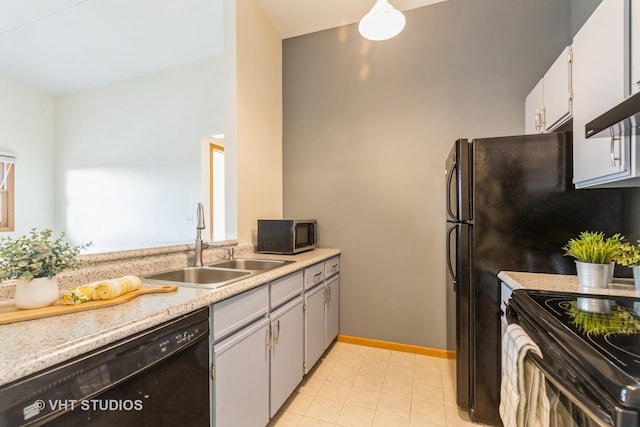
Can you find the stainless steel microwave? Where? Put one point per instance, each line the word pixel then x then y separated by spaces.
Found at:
pixel 287 236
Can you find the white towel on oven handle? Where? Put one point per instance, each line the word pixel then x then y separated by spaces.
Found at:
pixel 523 400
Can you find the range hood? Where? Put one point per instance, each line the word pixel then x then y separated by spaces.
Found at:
pixel 622 119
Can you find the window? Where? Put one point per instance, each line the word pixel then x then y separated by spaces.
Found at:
pixel 217 195
pixel 7 196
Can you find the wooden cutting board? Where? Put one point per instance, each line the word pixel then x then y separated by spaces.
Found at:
pixel 9 313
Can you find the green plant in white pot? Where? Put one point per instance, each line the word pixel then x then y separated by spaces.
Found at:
pixel 629 256
pixel 34 260
pixel 595 255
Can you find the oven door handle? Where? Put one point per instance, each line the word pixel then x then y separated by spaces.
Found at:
pixel 593 411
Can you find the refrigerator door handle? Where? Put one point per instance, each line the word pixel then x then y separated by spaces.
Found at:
pixel 450 174
pixel 449 265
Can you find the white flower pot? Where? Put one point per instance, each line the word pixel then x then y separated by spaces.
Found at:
pixel 39 292
pixel 613 266
pixel 592 276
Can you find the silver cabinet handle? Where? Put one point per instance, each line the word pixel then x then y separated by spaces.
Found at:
pixel 612 150
pixel 276 335
pixel 537 120
pixel 268 338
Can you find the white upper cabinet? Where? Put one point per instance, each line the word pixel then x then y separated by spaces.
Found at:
pixel 558 91
pixel 635 49
pixel 600 81
pixel 549 105
pixel 533 109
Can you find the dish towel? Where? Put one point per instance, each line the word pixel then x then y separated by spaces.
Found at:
pixel 523 398
pixel 104 289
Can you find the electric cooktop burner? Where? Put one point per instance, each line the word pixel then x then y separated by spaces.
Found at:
pixel 611 325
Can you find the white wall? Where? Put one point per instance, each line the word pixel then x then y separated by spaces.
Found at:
pixel 26 129
pixel 127 164
pixel 256 115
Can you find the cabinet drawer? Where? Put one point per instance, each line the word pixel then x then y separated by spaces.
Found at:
pixel 233 313
pixel 282 290
pixel 313 275
pixel 332 266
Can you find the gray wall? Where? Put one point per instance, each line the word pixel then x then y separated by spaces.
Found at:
pixel 580 11
pixel 367 128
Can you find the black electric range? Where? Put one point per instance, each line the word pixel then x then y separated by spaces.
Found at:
pixel 591 342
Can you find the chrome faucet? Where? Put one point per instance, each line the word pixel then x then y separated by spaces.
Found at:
pixel 199 245
pixel 230 252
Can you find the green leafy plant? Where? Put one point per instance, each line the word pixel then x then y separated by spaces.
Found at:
pixel 629 255
pixel 594 247
pixel 38 254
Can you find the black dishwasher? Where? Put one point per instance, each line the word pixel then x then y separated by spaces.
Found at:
pixel 158 377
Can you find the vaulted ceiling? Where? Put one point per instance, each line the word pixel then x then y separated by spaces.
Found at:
pixel 63 46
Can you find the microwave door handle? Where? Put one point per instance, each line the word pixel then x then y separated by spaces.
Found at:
pixel 315 233
pixel 450 173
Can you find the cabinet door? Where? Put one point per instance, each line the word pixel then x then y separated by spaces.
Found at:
pixel 533 106
pixel 332 310
pixel 313 326
pixel 287 356
pixel 557 92
pixel 241 381
pixel 598 85
pixel 635 49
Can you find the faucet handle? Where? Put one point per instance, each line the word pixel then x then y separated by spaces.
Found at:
pixel 230 251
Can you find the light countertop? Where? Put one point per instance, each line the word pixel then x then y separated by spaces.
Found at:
pixel 30 346
pixel 562 283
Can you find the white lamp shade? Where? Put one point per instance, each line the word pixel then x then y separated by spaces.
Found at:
pixel 382 22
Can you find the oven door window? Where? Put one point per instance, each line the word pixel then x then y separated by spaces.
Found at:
pixel 564 412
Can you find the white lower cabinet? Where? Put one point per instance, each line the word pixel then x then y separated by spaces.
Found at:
pixel 287 342
pixel 258 352
pixel 313 326
pixel 322 310
pixel 332 310
pixel 241 378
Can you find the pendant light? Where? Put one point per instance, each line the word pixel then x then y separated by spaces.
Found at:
pixel 382 22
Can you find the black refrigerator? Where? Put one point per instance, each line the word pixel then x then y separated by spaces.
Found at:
pixel 511 205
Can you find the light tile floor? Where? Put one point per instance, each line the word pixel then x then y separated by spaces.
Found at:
pixel 363 386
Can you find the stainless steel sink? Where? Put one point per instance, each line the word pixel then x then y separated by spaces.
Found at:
pixel 199 277
pixel 251 264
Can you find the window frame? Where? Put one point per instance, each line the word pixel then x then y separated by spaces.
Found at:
pixel 7 196
pixel 212 148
